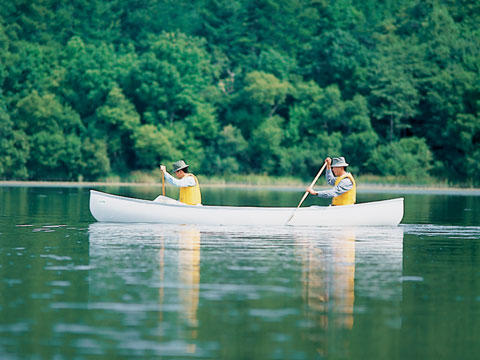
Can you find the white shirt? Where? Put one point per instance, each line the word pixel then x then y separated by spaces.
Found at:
pixel 186 181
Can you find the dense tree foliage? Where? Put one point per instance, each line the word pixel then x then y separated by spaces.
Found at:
pixel 91 88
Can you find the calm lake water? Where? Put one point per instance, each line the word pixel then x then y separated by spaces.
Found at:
pixel 72 288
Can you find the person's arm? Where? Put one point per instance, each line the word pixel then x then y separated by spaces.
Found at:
pixel 330 177
pixel 342 187
pixel 186 181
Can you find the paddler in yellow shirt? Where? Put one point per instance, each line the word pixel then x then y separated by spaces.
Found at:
pixel 344 191
pixel 188 183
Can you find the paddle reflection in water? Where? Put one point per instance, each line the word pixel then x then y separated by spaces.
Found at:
pixel 206 291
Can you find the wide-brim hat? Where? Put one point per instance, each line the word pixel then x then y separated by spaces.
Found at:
pixel 339 162
pixel 179 165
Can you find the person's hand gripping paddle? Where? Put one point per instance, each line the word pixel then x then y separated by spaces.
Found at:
pixel 306 192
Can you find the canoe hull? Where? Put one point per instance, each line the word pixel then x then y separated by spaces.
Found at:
pixel 112 208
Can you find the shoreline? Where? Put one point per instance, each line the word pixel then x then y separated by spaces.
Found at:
pixel 367 187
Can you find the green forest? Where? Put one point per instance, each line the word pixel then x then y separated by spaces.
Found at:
pixel 90 88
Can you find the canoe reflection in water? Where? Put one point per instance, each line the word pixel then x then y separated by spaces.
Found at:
pixel 207 286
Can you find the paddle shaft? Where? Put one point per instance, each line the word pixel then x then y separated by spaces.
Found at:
pixel 163 184
pixel 313 183
pixel 306 192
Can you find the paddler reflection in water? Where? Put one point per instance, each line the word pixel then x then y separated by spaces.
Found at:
pixel 188 183
pixel 344 190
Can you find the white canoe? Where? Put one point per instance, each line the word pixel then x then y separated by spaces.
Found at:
pixel 113 208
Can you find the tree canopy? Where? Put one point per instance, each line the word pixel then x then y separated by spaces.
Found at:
pixel 92 88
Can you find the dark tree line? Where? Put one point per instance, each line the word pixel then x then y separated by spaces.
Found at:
pixel 92 88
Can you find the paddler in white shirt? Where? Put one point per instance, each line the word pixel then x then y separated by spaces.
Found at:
pixel 188 183
pixel 344 191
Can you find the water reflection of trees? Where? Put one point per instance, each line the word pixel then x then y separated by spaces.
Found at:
pixel 441 287
pixel 45 205
pixel 43 269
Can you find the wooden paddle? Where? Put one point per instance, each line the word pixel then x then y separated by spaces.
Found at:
pixel 306 193
pixel 163 184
